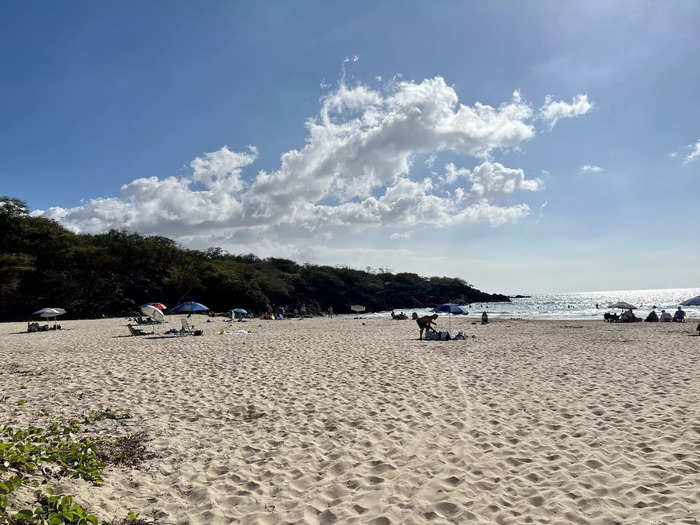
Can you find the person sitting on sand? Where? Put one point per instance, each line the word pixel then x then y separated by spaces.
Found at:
pixel 414 316
pixel 484 318
pixel 679 316
pixel 426 323
pixel 652 317
pixel 628 317
pixel 665 317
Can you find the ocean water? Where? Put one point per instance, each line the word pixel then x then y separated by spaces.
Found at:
pixel 575 306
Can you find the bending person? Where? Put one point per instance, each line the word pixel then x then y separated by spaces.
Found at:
pixel 426 323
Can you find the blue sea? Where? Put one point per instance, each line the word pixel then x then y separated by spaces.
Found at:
pixel 575 306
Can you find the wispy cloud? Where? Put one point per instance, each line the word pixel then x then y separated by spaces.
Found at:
pixel 591 168
pixel 694 153
pixel 552 111
pixel 540 215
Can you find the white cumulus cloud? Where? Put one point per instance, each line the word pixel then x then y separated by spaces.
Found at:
pixel 552 111
pixel 355 169
pixel 591 168
pixel 491 179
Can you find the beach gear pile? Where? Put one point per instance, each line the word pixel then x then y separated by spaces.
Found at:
pixel 442 336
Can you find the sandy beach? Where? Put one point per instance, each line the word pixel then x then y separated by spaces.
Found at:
pixel 357 421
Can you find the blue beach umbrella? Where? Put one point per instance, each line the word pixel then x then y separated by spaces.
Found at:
pixel 237 313
pixel 189 307
pixel 450 308
pixel 695 301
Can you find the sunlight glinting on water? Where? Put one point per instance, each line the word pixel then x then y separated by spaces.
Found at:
pixel 574 306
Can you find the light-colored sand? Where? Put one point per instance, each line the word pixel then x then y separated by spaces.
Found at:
pixel 322 421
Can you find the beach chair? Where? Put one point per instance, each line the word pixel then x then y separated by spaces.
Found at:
pixel 186 328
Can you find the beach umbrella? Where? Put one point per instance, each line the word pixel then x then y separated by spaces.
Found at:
pixel 450 308
pixel 238 312
pixel 189 307
pixel 153 312
pixel 623 305
pixel 160 306
pixel 48 313
pixel 695 301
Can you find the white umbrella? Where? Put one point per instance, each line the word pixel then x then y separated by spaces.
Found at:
pixel 153 312
pixel 48 313
pixel 695 301
pixel 623 305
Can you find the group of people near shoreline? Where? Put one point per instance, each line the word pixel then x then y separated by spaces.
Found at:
pixel 284 313
pixel 629 317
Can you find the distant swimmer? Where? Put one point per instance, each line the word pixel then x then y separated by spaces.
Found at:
pixel 597 307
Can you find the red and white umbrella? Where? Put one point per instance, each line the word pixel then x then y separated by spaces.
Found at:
pixel 153 312
pixel 160 306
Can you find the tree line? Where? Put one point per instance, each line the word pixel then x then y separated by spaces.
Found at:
pixel 42 264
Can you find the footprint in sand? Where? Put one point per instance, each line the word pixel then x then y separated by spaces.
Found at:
pixel 453 481
pixel 375 480
pixel 447 508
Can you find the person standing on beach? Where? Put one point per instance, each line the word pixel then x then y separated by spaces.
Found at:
pixel 302 311
pixel 330 311
pixel 426 323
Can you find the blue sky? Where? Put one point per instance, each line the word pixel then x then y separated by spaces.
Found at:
pixel 446 138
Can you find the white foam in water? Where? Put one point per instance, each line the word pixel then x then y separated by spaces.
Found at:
pixel 574 306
